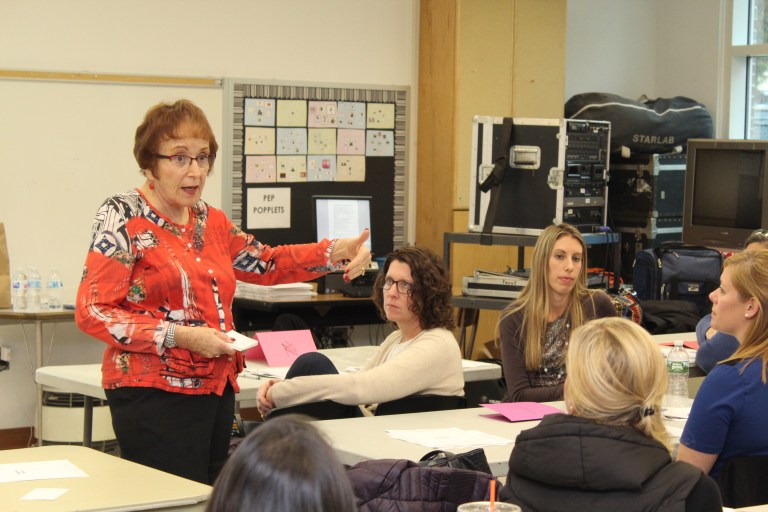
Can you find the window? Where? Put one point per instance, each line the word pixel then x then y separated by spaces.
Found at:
pixel 746 69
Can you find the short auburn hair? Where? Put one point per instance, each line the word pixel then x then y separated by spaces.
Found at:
pixel 170 121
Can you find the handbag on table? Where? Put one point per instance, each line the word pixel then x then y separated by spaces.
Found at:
pixel 473 459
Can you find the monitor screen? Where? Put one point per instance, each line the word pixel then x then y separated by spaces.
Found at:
pixel 342 216
pixel 725 191
pixel 728 188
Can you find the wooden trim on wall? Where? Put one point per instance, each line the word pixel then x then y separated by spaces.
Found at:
pixel 435 151
pixel 110 78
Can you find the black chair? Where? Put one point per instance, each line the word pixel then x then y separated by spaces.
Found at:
pixel 421 403
pixel 742 481
pixel 321 410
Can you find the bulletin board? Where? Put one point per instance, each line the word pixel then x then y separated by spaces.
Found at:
pixel 290 142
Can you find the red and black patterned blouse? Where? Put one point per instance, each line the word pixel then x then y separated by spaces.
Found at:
pixel 144 272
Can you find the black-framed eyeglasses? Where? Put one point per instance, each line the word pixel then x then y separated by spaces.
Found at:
pixel 204 161
pixel 405 287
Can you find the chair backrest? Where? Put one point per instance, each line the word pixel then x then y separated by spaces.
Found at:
pixel 742 481
pixel 421 403
pixel 321 410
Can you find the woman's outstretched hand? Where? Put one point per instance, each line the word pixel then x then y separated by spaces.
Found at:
pixel 354 250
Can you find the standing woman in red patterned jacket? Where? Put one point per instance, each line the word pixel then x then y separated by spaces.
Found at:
pixel 158 286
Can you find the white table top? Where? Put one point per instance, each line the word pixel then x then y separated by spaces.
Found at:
pixel 85 379
pixel 359 439
pixel 112 484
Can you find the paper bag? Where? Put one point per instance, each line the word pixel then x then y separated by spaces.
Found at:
pixel 5 271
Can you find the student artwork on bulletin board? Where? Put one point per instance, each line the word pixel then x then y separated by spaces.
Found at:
pixel 291 144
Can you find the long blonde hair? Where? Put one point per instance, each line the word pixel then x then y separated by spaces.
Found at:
pixel 616 376
pixel 534 299
pixel 749 277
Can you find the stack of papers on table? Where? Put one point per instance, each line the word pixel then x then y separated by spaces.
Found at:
pixel 451 437
pixel 277 291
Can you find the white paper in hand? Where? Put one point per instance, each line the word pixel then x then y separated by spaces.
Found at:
pixel 242 342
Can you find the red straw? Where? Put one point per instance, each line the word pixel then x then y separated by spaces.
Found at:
pixel 493 494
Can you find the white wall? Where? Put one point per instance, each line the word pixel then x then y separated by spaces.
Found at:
pixel 660 48
pixel 67 146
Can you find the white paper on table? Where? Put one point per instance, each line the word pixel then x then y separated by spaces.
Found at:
pixel 272 372
pixel 676 413
pixel 43 470
pixel 44 494
pixel 242 342
pixel 448 437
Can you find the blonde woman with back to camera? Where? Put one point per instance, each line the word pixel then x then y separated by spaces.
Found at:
pixel 610 452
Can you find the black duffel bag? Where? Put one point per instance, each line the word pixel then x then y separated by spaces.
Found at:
pixel 663 125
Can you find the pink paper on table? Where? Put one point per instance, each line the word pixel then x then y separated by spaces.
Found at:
pixel 687 344
pixel 281 348
pixel 522 411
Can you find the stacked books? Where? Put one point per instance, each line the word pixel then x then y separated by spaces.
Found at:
pixel 277 291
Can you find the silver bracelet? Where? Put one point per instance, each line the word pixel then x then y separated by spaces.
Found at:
pixel 170 336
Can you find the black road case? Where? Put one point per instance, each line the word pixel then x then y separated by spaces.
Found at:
pixel 556 172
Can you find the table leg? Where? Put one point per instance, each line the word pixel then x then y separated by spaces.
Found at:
pixel 39 396
pixel 88 421
pixel 468 318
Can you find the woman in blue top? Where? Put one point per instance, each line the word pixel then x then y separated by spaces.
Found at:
pixel 730 411
pixel 716 346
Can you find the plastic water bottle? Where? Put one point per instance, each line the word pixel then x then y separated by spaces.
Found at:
pixel 53 288
pixel 19 290
pixel 678 364
pixel 35 289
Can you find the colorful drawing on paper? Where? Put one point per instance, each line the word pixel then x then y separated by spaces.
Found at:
pixel 291 113
pixel 322 114
pixel 350 142
pixel 351 114
pixel 380 143
pixel 350 168
pixel 322 141
pixel 291 168
pixel 291 141
pixel 321 167
pixel 259 141
pixel 381 116
pixel 259 112
pixel 260 169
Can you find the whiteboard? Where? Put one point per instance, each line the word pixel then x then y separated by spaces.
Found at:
pixel 66 146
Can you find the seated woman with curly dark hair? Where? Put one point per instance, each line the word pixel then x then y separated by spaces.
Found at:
pixel 421 356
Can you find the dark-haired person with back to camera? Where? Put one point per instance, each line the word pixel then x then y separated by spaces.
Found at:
pixel 535 328
pixel 157 288
pixel 413 292
pixel 715 346
pixel 283 465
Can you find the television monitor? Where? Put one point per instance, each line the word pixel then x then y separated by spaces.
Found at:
pixel 342 216
pixel 726 191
